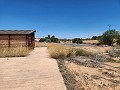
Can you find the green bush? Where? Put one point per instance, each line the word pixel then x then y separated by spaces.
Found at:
pixel 54 39
pixel 77 40
pixel 42 40
pixel 94 38
pixel 50 39
pixel 109 37
pixel 118 40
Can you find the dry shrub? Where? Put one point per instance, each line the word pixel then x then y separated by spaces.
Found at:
pixel 82 52
pixel 115 52
pixel 14 52
pixel 58 51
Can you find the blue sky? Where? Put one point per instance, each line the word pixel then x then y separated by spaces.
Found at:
pixel 62 18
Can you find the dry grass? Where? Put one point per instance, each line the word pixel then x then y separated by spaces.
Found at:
pixel 91 41
pixel 14 52
pixel 114 52
pixel 58 51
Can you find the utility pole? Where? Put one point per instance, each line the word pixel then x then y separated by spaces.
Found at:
pixel 88 36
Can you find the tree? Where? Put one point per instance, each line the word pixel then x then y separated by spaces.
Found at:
pixel 99 37
pixel 48 40
pixel 77 40
pixel 109 37
pixel 118 40
pixel 42 40
pixel 54 39
pixel 94 37
pixel 48 37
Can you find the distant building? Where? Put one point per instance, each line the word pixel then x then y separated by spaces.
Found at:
pixel 17 38
pixel 37 39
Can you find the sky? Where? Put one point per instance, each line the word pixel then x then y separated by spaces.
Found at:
pixel 62 18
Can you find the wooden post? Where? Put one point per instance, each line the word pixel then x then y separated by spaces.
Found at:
pixel 26 40
pixel 34 39
pixel 9 40
pixel 31 40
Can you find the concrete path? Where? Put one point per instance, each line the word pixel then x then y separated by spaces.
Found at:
pixel 35 72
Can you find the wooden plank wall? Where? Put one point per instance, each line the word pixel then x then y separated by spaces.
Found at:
pixel 17 40
pixel 12 40
pixel 4 39
pixel 32 41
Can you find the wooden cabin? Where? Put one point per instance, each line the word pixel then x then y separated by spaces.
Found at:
pixel 17 38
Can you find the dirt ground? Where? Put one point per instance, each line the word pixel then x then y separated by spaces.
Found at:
pixel 91 73
pixel 107 78
pixel 34 72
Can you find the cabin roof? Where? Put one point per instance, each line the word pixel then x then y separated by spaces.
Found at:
pixel 16 31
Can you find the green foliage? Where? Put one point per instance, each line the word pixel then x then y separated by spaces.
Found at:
pixel 77 40
pixel 42 40
pixel 50 39
pixel 54 39
pixel 65 40
pixel 109 37
pixel 118 40
pixel 94 37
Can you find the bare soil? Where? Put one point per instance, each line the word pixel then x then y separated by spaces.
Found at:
pixel 92 74
pixel 34 72
pixel 87 78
